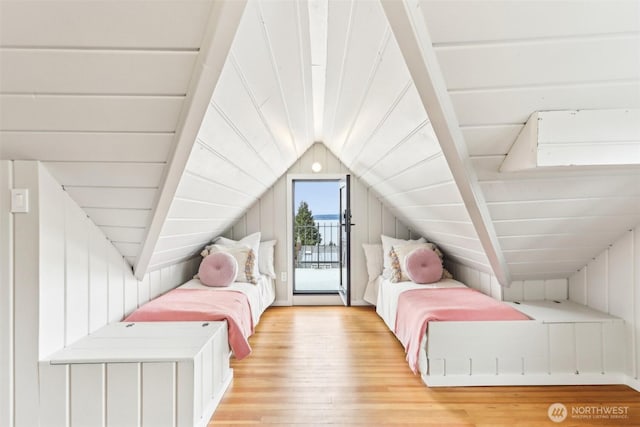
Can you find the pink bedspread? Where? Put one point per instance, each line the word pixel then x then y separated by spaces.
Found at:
pixel 202 304
pixel 418 307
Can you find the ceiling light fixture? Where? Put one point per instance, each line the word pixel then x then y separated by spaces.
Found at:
pixel 316 167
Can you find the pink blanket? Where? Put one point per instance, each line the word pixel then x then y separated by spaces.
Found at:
pixel 202 304
pixel 419 306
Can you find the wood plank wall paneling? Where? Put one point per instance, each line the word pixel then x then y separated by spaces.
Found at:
pixel 66 280
pixel 6 296
pixel 520 290
pixel 610 282
pixel 268 215
pixel 26 278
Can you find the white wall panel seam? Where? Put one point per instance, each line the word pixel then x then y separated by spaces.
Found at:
pixel 413 190
pixel 401 171
pixel 384 43
pixel 238 131
pixel 330 124
pixel 449 247
pixel 382 121
pixel 525 86
pixel 440 46
pixel 173 249
pixel 276 72
pixel 461 236
pixel 65 268
pixel 7 327
pixel 635 309
pixel 114 187
pixel 258 110
pixel 208 180
pixel 203 202
pixel 397 145
pixel 215 152
pixel 305 75
pixel 606 279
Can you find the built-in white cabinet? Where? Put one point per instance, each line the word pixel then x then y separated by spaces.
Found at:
pixel 137 374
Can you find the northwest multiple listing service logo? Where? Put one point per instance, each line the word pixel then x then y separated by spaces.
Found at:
pixel 558 412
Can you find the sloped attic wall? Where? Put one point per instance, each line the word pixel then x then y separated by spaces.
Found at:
pixel 61 280
pixel 611 283
pixel 372 218
pixel 97 91
pixel 375 123
pixel 257 123
pixel 506 60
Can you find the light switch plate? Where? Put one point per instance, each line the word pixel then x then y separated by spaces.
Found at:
pixel 19 200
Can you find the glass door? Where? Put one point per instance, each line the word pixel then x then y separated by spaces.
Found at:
pixel 316 236
pixel 345 240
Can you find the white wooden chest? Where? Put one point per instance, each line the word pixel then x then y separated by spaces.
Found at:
pixel 138 374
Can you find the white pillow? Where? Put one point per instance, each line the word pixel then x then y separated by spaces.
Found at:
pixel 373 257
pixel 266 260
pixel 244 257
pixel 251 241
pixel 387 244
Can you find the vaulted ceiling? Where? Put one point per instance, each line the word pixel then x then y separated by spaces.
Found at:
pixel 167 120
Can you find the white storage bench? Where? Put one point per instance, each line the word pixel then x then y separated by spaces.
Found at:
pixel 565 343
pixel 138 374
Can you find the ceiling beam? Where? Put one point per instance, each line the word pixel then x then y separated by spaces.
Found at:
pixel 223 23
pixel 409 27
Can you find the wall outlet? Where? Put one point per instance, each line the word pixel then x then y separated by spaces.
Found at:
pixel 283 276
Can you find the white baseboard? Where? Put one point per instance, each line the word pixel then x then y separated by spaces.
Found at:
pixel 356 303
pixel 520 380
pixel 281 303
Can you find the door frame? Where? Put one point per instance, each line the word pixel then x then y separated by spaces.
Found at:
pixel 304 299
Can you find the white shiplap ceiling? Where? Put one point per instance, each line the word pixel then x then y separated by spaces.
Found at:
pixel 112 113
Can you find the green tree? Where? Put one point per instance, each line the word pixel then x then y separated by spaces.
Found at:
pixel 306 230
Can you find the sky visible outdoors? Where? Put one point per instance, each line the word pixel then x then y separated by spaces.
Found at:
pixel 323 197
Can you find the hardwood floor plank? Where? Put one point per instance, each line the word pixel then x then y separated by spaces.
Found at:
pixel 342 366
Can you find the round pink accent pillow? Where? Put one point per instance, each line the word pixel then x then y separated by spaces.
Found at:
pixel 218 269
pixel 423 266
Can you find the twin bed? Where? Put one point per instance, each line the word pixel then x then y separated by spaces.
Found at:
pixel 167 363
pixel 240 304
pixel 235 283
pixel 456 336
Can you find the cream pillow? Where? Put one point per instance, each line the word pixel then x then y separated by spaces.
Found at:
pixel 245 258
pixel 251 241
pixel 387 245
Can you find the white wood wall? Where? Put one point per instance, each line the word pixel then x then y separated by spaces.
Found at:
pixel 610 282
pixel 372 218
pixel 6 296
pixel 68 280
pixel 520 290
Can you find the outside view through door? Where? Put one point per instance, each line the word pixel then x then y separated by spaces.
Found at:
pixel 316 252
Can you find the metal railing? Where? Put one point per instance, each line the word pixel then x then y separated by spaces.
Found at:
pixel 325 253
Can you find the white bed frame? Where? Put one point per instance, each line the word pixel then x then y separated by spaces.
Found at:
pixel 565 343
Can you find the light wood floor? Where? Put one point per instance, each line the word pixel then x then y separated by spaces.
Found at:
pixel 342 366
